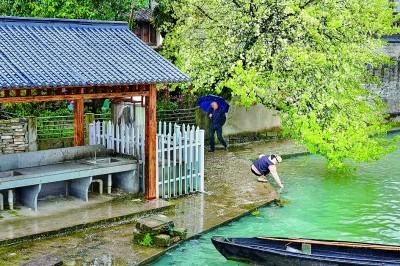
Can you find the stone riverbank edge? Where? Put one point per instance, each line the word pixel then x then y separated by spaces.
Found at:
pixel 226 220
pixel 158 255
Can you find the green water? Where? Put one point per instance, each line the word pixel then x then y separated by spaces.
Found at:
pixel 362 206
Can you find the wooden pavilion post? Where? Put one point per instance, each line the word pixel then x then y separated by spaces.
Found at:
pixel 150 144
pixel 79 132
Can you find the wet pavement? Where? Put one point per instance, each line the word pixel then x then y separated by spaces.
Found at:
pixel 66 214
pixel 231 191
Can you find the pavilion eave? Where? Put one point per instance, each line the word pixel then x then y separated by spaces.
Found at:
pixel 43 94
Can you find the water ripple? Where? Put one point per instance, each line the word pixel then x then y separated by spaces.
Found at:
pixel 362 206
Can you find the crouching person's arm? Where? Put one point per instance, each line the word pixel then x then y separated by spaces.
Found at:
pixel 274 173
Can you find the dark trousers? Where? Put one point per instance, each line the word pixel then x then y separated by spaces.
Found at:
pixel 218 130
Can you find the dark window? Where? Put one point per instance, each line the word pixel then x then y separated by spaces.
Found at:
pixel 142 31
pixel 146 32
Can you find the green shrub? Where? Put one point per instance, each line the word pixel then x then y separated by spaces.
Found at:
pixel 147 241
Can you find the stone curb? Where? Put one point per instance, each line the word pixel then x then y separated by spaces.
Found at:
pixel 394 130
pixel 114 221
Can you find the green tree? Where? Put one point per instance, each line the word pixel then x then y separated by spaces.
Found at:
pixel 164 16
pixel 308 59
pixel 83 9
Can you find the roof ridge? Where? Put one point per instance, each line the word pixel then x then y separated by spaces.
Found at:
pixel 81 22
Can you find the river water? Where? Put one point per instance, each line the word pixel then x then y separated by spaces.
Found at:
pixel 320 203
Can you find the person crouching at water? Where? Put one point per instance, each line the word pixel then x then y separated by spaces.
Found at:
pixel 265 165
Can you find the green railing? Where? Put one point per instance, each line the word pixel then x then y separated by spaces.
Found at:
pixel 179 116
pixel 60 127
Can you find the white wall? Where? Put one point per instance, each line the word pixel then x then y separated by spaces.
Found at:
pixel 257 118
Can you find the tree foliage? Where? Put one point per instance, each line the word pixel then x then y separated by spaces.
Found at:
pixel 83 9
pixel 308 59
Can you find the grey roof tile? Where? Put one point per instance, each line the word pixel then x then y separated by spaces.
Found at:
pixel 144 15
pixel 60 52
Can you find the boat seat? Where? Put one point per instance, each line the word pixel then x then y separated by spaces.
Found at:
pixel 305 249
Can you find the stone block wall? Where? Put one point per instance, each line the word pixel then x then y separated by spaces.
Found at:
pixel 17 135
pixel 389 90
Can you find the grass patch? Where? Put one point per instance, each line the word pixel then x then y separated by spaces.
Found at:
pixel 147 241
pixel 13 213
pixel 282 202
pixel 256 213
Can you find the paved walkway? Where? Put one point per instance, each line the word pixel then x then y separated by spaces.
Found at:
pixel 232 191
pixel 68 214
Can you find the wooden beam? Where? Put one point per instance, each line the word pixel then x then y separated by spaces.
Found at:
pixel 45 98
pixel 150 144
pixel 79 130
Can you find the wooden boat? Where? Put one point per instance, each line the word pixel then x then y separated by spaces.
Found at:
pixel 304 252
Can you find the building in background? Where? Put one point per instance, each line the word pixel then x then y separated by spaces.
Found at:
pixel 389 90
pixel 144 27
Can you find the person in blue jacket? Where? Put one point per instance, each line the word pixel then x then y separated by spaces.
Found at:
pixel 217 120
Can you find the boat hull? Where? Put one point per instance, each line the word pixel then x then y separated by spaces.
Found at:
pixel 265 256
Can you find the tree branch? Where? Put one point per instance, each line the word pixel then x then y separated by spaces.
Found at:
pixel 307 3
pixel 204 13
pixel 236 3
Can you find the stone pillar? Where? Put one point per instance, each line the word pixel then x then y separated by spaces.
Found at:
pixel 89 118
pixel 32 133
pixel 29 196
pixel 79 188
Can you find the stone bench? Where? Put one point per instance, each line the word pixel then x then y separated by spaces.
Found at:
pixel 68 171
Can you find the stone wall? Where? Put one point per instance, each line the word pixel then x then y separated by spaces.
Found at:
pixel 390 76
pixel 257 118
pixel 17 135
pixel 13 135
pixel 246 124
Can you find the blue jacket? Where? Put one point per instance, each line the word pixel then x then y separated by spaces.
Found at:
pixel 218 118
pixel 262 164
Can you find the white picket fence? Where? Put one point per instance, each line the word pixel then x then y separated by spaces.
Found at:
pixel 180 160
pixel 122 138
pixel 180 153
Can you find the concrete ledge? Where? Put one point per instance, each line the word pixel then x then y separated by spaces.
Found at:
pixel 94 216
